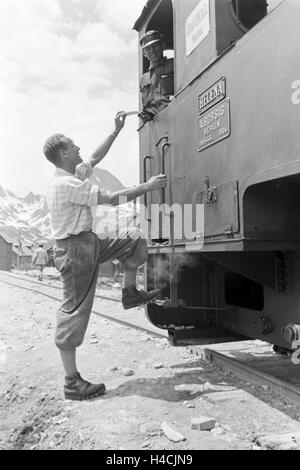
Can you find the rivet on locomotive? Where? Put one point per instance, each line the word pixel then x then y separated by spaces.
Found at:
pixel 228 140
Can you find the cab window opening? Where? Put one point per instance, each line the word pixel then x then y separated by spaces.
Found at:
pixel 157 80
pixel 162 21
pixel 248 13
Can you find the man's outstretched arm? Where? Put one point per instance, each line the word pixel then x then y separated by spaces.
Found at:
pixel 129 194
pixel 101 151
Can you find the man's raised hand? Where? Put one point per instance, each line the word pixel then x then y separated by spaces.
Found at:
pixel 119 121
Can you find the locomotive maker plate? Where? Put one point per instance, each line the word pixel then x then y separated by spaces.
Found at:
pixel 214 125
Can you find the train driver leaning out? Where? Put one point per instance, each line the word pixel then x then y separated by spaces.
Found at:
pixel 156 85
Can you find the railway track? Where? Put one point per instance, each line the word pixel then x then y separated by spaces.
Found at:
pixel 252 361
pixel 50 286
pixel 140 324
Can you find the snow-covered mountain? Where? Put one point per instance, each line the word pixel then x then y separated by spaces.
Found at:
pixel 28 218
pixel 25 218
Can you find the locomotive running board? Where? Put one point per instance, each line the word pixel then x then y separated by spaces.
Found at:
pixel 238 245
pixel 199 337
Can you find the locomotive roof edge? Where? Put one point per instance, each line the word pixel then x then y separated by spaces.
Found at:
pixel 147 8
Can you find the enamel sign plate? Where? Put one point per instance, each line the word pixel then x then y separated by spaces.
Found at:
pixel 214 125
pixel 197 26
pixel 212 96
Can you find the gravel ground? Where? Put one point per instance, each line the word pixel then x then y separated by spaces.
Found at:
pixel 150 385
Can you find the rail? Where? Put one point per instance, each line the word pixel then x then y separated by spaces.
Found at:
pixel 249 373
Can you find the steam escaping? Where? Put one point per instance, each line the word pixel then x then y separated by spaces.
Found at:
pixel 168 268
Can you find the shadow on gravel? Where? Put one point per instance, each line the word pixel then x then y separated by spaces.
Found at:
pixel 159 388
pixel 189 385
pixel 183 386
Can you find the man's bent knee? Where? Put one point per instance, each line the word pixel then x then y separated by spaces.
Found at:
pixel 139 255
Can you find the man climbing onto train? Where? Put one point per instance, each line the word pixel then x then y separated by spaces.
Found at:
pixel 79 251
pixel 157 85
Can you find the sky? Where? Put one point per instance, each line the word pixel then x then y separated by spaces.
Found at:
pixel 66 66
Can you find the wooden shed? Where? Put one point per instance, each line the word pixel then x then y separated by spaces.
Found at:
pixel 21 256
pixel 6 250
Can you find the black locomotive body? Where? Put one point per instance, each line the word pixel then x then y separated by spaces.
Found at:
pixel 229 143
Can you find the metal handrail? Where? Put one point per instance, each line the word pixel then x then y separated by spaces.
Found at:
pixel 164 147
pixel 147 157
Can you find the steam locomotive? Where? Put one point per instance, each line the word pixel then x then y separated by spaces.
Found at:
pixel 229 142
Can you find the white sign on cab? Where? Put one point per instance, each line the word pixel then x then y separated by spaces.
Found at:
pixel 197 26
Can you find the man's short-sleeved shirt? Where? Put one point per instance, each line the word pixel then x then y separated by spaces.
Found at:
pixel 70 199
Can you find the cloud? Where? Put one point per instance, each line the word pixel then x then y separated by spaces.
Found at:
pixel 65 69
pixel 20 14
pixel 100 42
pixel 121 14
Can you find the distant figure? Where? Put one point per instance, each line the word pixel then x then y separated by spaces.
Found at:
pixel 157 85
pixel 40 259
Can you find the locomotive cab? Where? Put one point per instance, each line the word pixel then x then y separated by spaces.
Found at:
pixel 229 145
pixel 210 28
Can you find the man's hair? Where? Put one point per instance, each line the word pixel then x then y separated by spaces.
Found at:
pixel 52 147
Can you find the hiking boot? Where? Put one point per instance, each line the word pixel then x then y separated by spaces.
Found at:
pixel 132 297
pixel 78 389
